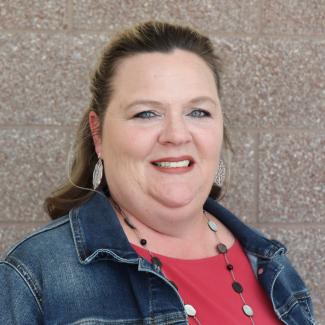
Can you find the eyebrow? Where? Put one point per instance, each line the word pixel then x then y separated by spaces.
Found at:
pixel 155 103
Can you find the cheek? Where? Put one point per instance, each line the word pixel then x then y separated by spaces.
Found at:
pixel 128 145
pixel 211 143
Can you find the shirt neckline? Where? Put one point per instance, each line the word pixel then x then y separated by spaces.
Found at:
pixel 143 252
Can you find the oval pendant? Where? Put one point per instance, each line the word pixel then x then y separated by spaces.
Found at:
pixel 221 248
pixel 190 310
pixel 237 287
pixel 212 225
pixel 248 311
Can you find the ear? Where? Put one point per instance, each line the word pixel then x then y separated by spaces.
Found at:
pixel 95 132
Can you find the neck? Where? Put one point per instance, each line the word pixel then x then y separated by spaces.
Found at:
pixel 175 222
pixel 173 237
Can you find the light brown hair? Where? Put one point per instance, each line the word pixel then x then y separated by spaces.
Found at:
pixel 152 36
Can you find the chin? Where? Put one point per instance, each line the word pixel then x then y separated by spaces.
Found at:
pixel 177 195
pixel 177 200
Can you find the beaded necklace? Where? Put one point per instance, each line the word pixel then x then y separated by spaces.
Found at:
pixel 221 249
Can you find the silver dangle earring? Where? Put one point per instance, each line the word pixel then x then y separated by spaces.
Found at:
pixel 221 174
pixel 98 173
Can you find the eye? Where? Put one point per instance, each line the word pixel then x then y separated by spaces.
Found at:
pixel 199 113
pixel 145 115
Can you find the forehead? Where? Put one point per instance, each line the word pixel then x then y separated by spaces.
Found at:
pixel 157 74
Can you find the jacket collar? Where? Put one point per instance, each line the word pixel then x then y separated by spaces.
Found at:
pixel 98 233
pixel 252 240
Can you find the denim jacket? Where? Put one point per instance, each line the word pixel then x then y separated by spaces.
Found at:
pixel 81 269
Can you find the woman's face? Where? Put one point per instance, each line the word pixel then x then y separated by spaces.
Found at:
pixel 162 131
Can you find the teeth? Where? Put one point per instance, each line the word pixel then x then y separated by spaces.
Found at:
pixel 172 164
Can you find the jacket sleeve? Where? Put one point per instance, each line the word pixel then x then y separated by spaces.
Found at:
pixel 18 304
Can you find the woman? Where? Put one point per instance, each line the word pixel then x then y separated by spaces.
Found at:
pixel 148 245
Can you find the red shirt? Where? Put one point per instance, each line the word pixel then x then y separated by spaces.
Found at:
pixel 206 284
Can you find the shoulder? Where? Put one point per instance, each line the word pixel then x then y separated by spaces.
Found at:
pixel 46 240
pixel 252 240
pixel 28 266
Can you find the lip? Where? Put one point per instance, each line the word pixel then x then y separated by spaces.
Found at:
pixel 175 170
pixel 173 159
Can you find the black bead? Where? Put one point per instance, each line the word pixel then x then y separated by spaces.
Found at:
pixel 143 242
pixel 156 261
pixel 127 221
pixel 230 267
pixel 237 287
pixel 221 248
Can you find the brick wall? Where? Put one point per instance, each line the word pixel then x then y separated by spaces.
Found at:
pixel 274 95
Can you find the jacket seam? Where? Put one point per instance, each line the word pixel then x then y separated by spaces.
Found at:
pixel 295 302
pixel 272 289
pixel 150 293
pixel 21 271
pixel 35 233
pixel 78 236
pixel 152 320
pixel 267 256
pixel 309 311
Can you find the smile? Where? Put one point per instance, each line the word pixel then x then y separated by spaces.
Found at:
pixel 172 164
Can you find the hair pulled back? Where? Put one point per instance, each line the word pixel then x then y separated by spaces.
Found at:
pixel 151 36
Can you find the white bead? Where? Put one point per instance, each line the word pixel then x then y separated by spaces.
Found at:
pixel 190 311
pixel 212 225
pixel 248 310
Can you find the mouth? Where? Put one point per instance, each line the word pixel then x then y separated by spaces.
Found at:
pixel 179 163
pixel 172 164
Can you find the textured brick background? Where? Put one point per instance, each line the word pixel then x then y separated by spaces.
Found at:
pixel 274 94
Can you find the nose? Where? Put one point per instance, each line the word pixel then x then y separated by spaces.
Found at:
pixel 175 131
